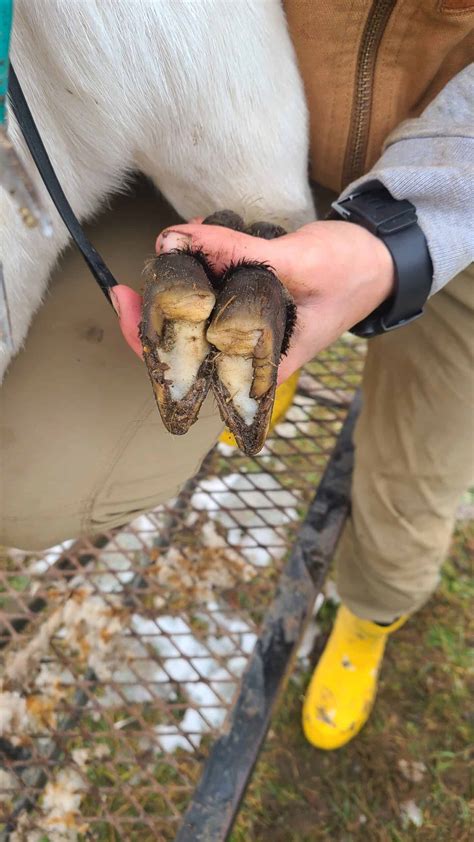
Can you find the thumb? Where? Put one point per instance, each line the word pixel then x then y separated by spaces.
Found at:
pixel 128 305
pixel 221 245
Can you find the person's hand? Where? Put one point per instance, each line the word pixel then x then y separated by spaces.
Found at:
pixel 128 305
pixel 337 272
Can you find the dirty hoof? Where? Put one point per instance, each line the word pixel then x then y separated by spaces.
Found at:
pixel 250 329
pixel 191 341
pixel 177 303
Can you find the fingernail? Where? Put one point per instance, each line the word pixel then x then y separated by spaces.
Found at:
pixel 171 240
pixel 115 302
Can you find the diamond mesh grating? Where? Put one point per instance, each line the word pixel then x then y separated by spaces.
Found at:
pixel 121 656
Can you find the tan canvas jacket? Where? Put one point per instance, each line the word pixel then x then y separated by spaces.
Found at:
pixel 367 65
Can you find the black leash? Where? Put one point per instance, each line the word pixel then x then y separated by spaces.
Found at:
pixel 99 269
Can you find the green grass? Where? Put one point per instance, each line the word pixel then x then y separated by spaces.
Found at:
pixel 422 714
pixel 11 583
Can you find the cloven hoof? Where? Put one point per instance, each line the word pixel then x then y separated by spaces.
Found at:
pixel 228 333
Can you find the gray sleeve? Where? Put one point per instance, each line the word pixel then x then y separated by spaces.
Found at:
pixel 429 160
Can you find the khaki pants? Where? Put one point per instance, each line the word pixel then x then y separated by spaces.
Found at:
pixel 414 457
pixel 82 446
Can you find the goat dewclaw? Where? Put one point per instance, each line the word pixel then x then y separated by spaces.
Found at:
pixel 192 341
pixel 226 218
pixel 265 230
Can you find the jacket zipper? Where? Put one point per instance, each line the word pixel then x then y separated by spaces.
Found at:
pixel 360 120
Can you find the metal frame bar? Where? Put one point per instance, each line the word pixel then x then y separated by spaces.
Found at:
pixel 227 771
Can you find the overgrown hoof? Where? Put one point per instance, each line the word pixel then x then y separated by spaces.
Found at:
pixel 177 303
pixel 191 341
pixel 248 328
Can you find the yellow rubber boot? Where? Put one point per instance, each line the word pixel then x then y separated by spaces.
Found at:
pixel 343 687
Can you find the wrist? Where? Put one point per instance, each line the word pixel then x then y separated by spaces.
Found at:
pixel 369 267
pixel 384 268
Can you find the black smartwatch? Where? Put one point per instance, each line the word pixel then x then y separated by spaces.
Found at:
pixel 395 222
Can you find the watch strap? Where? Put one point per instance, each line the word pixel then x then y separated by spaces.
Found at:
pixel 395 222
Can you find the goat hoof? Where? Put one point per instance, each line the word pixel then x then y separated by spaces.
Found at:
pixel 191 342
pixel 250 328
pixel 177 303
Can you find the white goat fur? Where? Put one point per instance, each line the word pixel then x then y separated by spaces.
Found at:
pixel 203 96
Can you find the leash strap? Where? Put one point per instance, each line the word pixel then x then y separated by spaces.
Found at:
pixel 6 17
pixel 96 264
